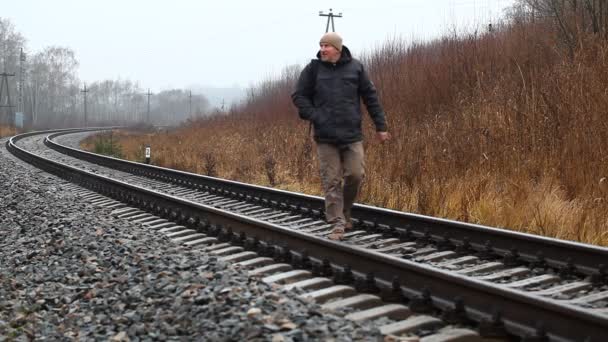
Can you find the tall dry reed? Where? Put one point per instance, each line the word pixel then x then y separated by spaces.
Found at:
pixel 6 131
pixel 502 128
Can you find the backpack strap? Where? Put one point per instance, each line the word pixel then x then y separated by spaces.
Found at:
pixel 314 71
pixel 314 68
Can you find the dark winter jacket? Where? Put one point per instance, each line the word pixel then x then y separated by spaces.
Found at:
pixel 329 96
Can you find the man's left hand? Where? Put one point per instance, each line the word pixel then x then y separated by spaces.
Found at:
pixel 383 136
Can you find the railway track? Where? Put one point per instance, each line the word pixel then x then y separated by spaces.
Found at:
pixel 504 284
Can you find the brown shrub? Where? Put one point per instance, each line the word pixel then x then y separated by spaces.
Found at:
pixel 500 128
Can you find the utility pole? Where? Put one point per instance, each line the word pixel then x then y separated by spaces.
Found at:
pixel 8 105
pixel 35 103
pixel 134 102
pixel 20 106
pixel 148 115
pixel 330 17
pixel 84 92
pixel 190 104
pixel 135 99
pixel 139 116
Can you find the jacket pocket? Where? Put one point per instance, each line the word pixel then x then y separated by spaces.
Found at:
pixel 320 117
pixel 324 124
pixel 350 88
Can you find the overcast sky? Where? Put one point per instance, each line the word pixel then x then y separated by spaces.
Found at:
pixel 180 43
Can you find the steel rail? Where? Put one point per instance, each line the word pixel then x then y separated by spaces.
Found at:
pixel 584 258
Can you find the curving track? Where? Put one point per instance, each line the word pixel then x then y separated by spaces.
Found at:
pixel 502 283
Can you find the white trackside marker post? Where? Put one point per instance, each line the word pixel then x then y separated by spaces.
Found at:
pixel 147 154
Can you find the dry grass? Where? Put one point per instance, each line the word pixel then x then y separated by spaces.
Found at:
pixel 501 129
pixel 6 131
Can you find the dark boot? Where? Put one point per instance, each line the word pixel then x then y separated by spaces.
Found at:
pixel 337 233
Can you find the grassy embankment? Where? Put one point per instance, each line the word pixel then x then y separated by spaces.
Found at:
pixel 504 129
pixel 6 131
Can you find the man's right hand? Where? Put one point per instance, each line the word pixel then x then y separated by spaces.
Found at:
pixel 383 136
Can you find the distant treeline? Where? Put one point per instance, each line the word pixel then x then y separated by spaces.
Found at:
pixel 52 92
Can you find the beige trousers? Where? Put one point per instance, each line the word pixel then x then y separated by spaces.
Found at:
pixel 342 171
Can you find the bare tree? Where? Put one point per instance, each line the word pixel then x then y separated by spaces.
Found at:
pixel 53 98
pixel 570 15
pixel 52 76
pixel 11 43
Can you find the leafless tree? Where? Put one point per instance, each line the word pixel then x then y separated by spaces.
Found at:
pixel 53 98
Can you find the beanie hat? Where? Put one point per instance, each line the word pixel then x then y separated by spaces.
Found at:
pixel 333 39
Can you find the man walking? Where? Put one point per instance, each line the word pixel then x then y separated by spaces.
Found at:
pixel 328 94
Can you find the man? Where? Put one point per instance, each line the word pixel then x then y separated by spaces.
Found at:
pixel 328 94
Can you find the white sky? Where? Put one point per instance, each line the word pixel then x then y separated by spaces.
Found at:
pixel 180 43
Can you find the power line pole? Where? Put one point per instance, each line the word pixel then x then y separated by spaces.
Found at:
pixel 132 107
pixel 8 105
pixel 148 115
pixel 34 103
pixel 20 107
pixel 84 92
pixel 330 17
pixel 134 100
pixel 190 104
pixel 139 116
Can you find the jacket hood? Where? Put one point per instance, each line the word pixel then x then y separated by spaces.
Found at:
pixel 345 56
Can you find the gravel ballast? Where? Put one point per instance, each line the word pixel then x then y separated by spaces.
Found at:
pixel 69 270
